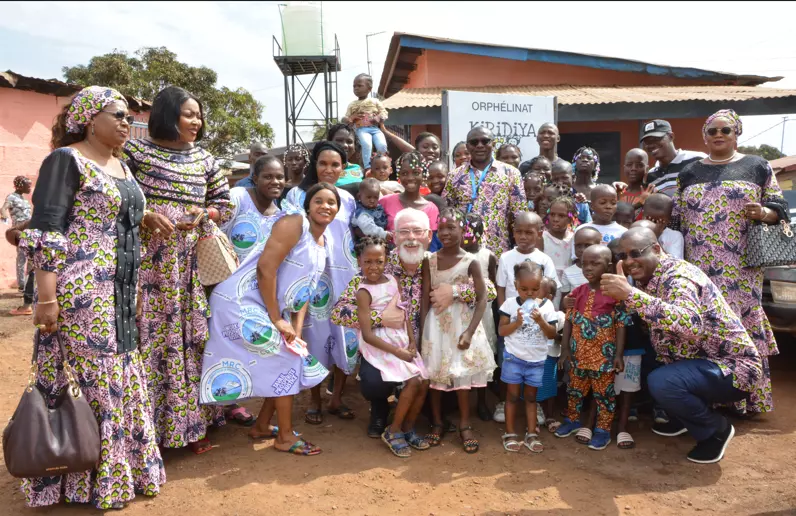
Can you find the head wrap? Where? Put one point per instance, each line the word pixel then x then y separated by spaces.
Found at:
pixel 300 149
pixel 20 181
pixel 327 145
pixel 730 115
pixel 87 103
pixel 596 173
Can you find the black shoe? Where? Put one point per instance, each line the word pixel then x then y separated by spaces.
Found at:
pixel 712 449
pixel 376 427
pixel 484 414
pixel 670 429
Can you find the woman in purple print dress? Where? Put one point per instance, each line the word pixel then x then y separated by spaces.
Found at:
pixel 180 181
pixel 333 345
pixel 715 200
pixel 83 240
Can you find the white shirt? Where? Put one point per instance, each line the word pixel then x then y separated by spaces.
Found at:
pixel 553 347
pixel 505 272
pixel 248 229
pixel 609 232
pixel 572 278
pixel 528 342
pixel 672 242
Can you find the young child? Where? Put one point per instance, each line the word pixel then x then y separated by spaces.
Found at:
pixel 658 210
pixel 527 322
pixel 625 214
pixel 562 174
pixel 636 166
pixel 549 390
pixel 573 275
pixel 392 351
pixel 527 234
pixel 543 167
pixel 369 217
pixel 594 342
pixel 557 237
pixel 460 154
pixel 381 169
pixel 510 154
pixel 603 205
pixel 471 242
pixel 437 177
pixel 533 184
pixel 366 114
pixel 455 349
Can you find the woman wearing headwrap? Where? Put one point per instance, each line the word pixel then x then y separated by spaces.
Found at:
pixel 716 199
pixel 16 210
pixel 296 160
pixel 187 195
pixel 83 240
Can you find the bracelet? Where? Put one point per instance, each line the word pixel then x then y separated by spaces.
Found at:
pixel 47 302
pixel 209 216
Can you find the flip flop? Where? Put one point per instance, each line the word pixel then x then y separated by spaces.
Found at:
pixel 584 435
pixel 552 425
pixel 625 441
pixel 313 421
pixel 241 416
pixel 273 434
pixel 301 447
pixel 470 445
pixel 342 412
pixel 21 311
pixel 201 446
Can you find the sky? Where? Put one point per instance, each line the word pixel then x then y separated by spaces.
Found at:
pixel 235 39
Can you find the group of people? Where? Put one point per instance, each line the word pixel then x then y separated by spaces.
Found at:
pixel 425 283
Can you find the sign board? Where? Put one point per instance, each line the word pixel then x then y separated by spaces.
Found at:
pixel 511 118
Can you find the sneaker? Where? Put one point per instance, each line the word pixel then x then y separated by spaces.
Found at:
pixel 669 429
pixel 633 416
pixel 660 416
pixel 540 419
pixel 376 427
pixel 500 412
pixel 600 440
pixel 568 428
pixel 712 449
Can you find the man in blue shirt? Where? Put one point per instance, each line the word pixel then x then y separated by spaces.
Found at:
pixel 256 151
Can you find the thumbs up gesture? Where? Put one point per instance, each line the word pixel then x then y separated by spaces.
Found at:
pixel 616 285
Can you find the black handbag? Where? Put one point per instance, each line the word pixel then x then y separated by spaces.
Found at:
pixel 770 245
pixel 43 442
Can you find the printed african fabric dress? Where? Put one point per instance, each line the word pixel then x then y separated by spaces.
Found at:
pixel 173 324
pixel 248 229
pixel 246 355
pixel 709 205
pixel 332 345
pixel 86 232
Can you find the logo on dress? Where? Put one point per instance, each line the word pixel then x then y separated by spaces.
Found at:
pixel 284 382
pixel 348 248
pixel 226 381
pixel 245 233
pixel 321 303
pixel 259 335
pixel 247 283
pixel 351 347
pixel 312 372
pixel 297 294
pixel 231 332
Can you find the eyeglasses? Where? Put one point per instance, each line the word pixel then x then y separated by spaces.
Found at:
pixel 635 253
pixel 415 232
pixel 713 131
pixel 483 141
pixel 121 115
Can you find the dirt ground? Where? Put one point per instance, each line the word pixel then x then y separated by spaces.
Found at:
pixel 356 475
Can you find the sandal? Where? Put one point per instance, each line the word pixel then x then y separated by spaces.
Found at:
pixel 601 439
pixel 510 443
pixel 533 443
pixel 625 441
pixel 397 444
pixel 415 441
pixel 302 447
pixel 342 412
pixel 434 437
pixel 201 446
pixel 584 435
pixel 470 445
pixel 552 425
pixel 272 434
pixel 22 310
pixel 241 416
pixel 313 417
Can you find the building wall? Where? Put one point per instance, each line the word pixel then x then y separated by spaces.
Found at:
pixel 436 68
pixel 26 120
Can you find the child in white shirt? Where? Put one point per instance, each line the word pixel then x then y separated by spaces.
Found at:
pixel 603 205
pixel 658 210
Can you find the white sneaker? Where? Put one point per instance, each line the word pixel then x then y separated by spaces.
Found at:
pixel 500 412
pixel 540 419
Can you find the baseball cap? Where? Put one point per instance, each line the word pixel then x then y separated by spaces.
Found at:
pixel 656 128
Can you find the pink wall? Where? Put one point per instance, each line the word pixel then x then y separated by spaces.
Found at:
pixel 26 120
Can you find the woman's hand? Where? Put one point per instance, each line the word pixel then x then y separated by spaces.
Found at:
pixel 286 329
pixel 754 211
pixel 464 341
pixel 45 317
pixel 407 355
pixel 193 212
pixel 158 224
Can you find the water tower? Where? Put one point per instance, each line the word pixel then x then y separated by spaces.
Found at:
pixel 308 49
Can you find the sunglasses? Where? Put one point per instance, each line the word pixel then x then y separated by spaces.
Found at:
pixel 713 131
pixel 121 115
pixel 483 141
pixel 635 253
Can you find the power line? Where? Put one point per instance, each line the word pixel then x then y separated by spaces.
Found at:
pixel 758 134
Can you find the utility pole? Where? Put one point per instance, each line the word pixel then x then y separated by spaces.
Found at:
pixel 367 49
pixel 782 144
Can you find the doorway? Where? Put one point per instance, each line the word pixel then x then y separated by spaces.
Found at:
pixel 607 146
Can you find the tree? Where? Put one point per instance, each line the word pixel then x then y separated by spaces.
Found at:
pixel 232 116
pixel 319 130
pixel 764 151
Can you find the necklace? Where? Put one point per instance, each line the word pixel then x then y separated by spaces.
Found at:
pixel 722 160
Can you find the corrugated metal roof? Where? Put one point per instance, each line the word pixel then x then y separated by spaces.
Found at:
pixel 786 164
pixel 571 95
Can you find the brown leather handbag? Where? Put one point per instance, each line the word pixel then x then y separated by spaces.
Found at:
pixel 43 442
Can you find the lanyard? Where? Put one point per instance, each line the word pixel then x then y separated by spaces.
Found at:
pixel 476 187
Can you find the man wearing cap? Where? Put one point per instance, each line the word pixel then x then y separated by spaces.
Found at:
pixel 256 151
pixel 658 140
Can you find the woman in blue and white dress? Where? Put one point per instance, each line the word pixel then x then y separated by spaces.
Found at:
pixel 255 347
pixel 334 346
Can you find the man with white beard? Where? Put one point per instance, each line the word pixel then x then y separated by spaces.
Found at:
pixel 412 237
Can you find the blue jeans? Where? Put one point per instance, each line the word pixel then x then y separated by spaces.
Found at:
pixel 515 371
pixel 368 138
pixel 687 389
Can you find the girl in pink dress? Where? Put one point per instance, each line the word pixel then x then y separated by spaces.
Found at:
pixel 392 351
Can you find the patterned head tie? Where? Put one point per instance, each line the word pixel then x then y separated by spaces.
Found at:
pixel 87 103
pixel 20 181
pixel 729 115
pixel 299 149
pixel 414 160
pixel 596 173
